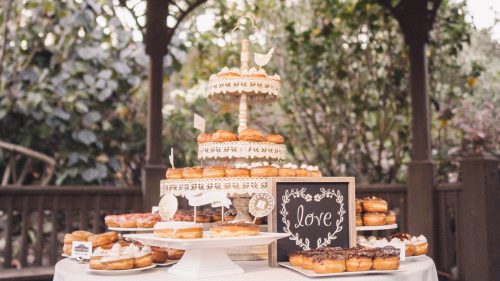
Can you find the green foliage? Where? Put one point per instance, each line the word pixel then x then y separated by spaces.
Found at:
pixel 71 89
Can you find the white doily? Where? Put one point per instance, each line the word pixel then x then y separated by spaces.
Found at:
pixel 228 89
pixel 237 185
pixel 241 149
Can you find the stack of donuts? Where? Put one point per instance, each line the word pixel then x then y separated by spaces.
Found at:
pixel 248 134
pixel 257 169
pixel 373 211
pixel 104 240
pixel 336 260
pixel 136 220
pixel 121 257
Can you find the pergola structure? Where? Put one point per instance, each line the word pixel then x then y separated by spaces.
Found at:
pixel 416 18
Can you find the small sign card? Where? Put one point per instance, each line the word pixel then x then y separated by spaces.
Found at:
pixel 199 123
pixel 167 207
pixel 81 249
pixel 316 212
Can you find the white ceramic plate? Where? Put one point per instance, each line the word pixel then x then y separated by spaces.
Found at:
pixel 120 272
pixel 72 258
pixel 206 242
pixel 121 229
pixel 380 227
pixel 311 273
pixel 167 263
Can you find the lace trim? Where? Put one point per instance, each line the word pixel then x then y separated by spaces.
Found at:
pixel 257 89
pixel 241 149
pixel 237 185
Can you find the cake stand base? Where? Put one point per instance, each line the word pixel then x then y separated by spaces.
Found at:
pixel 205 263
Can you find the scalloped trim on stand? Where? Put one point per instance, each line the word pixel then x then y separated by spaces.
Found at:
pixel 241 149
pixel 230 88
pixel 237 185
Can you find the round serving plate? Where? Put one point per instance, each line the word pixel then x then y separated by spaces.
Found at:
pixel 241 150
pixel 123 229
pixel 167 263
pixel 120 272
pixel 229 89
pixel 236 185
pixel 380 227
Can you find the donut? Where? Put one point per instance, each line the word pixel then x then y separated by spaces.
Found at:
pixel 67 249
pixel 215 217
pixel 214 172
pixel 316 174
pixel 129 220
pixel 237 172
pixel 95 258
pixel 202 218
pixel 295 259
pixel 374 204
pixel 374 219
pixel 390 218
pixel 148 220
pixel 359 220
pixel 264 171
pixel 120 263
pixel 81 235
pixel 330 263
pixel 111 221
pixel 307 260
pixel 160 255
pixel 234 229
pixel 223 136
pixel 178 229
pixel 251 135
pixel 192 173
pixel 286 172
pixel 174 173
pixel 300 172
pixel 386 258
pixel 143 260
pixel 204 137
pixel 420 249
pixel 358 263
pixel 275 139
pixel 359 208
pixel 103 239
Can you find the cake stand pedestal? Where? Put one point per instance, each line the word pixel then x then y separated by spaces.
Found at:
pixel 206 257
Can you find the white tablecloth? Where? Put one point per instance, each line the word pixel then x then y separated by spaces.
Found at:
pixel 422 269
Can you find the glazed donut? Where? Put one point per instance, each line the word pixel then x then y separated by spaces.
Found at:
pixel 332 263
pixel 286 172
pixel 204 137
pixel 81 235
pixel 295 259
pixel 214 172
pixel 358 263
pixel 230 229
pixel 177 229
pixel 390 218
pixel 374 219
pixel 112 221
pixel 251 135
pixel 275 139
pixel 192 173
pixel 222 136
pixel 264 171
pixel 388 263
pixel 237 172
pixel 374 204
pixel 174 173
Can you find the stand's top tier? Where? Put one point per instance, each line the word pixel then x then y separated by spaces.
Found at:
pixel 229 85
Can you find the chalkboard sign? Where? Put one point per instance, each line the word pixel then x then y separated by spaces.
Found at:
pixel 317 212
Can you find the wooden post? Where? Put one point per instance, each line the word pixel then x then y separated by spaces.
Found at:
pixel 479 250
pixel 156 48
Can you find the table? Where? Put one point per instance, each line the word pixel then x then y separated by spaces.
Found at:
pixel 422 269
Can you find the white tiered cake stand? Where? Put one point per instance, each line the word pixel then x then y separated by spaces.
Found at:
pixel 206 257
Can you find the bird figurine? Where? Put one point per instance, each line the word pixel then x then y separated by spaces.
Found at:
pixel 261 59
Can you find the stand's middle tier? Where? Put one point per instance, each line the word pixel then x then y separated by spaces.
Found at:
pixel 241 150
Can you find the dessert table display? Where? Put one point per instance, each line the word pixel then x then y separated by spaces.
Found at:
pixel 421 269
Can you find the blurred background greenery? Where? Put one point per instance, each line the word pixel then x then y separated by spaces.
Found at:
pixel 73 85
